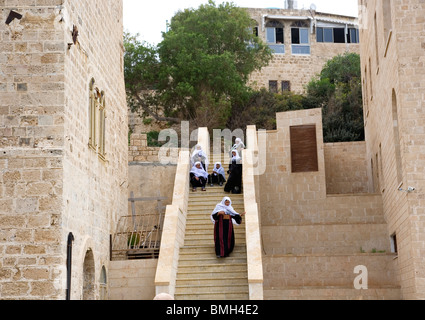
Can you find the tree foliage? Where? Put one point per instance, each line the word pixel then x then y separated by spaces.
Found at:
pixel 338 91
pixel 199 69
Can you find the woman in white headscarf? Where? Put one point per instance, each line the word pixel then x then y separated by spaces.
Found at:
pixel 198 177
pixel 224 218
pixel 239 146
pixel 234 184
pixel 218 175
pixel 199 155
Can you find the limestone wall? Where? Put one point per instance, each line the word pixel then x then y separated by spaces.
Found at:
pixel 132 280
pixel 308 234
pixel 51 181
pixel 346 168
pixel 392 53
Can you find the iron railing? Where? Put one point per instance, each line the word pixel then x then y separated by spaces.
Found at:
pixel 138 236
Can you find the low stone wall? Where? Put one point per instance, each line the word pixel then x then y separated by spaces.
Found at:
pixel 132 280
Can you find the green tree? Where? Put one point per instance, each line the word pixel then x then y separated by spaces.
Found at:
pixel 141 72
pixel 201 66
pixel 338 91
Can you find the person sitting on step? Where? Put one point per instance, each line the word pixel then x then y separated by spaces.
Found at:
pixel 218 175
pixel 198 177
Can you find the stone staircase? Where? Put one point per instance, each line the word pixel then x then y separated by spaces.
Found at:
pixel 201 275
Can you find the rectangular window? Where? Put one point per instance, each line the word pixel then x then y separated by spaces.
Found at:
pixel 300 36
pixel 102 129
pixel 394 245
pixel 286 86
pixel 92 118
pixel 319 35
pixel 270 35
pixel 339 35
pixel 353 35
pixel 273 86
pixel 275 35
pixel 304 156
pixel 300 41
pixel 275 40
pixel 97 120
pixel 328 35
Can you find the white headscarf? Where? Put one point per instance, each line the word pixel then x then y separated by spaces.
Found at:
pixel 199 172
pixel 220 170
pixel 239 144
pixel 236 157
pixel 228 210
pixel 199 153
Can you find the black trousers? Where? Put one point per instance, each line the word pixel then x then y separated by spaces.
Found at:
pixel 216 178
pixel 201 183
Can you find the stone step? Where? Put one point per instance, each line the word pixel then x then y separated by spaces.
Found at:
pixel 208 209
pixel 213 281
pixel 201 275
pixel 208 289
pixel 224 296
pixel 208 239
pixel 212 260
pixel 201 229
pixel 214 200
pixel 210 270
pixel 206 224
pixel 201 251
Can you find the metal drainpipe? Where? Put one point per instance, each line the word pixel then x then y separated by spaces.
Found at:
pixel 69 266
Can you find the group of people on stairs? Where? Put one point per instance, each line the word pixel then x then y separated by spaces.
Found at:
pixel 224 215
pixel 199 176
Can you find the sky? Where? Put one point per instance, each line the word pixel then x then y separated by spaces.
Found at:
pixel 149 18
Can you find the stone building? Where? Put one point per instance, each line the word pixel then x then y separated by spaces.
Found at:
pixel 303 41
pixel 316 214
pixel 393 67
pixel 63 148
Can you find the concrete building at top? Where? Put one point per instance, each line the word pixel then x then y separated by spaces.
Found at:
pixel 302 42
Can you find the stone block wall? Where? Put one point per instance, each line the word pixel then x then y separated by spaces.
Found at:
pixel 51 181
pixel 346 168
pixel 392 57
pixel 132 280
pixel 314 238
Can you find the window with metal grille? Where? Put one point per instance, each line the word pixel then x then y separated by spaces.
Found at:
pixel 273 86
pixel 286 86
